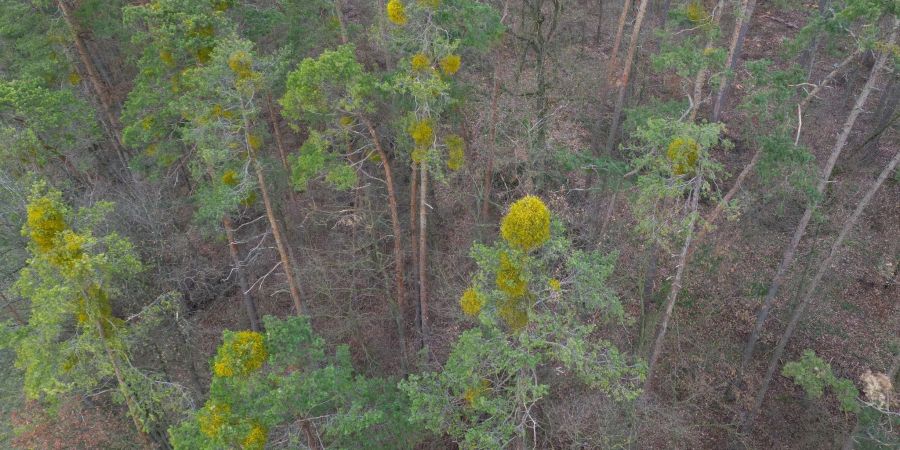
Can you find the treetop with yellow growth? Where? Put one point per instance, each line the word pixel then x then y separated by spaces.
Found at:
pixel 396 12
pixel 527 224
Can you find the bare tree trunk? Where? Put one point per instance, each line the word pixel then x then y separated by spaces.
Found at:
pixel 808 298
pixel 286 262
pixel 791 249
pixel 714 215
pixel 623 82
pixel 489 151
pixel 423 251
pixel 249 302
pixel 93 76
pixel 812 94
pixel 617 41
pixel 130 402
pixel 741 25
pixel 399 278
pixel 700 80
pixel 414 241
pixel 808 58
pixel 676 285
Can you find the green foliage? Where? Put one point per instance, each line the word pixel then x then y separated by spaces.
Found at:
pixel 813 374
pixel 670 154
pixel 530 318
pixel 301 381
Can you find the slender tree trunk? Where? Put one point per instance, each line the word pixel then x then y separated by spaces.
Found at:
pixel 286 262
pixel 414 241
pixel 808 296
pixel 676 286
pixel 93 76
pixel 249 302
pixel 812 94
pixel 617 41
pixel 885 115
pixel 741 25
pixel 738 182
pixel 489 151
pixel 791 249
pixel 808 58
pixel 279 142
pixel 623 82
pixel 399 278
pixel 423 251
pixel 700 80
pixel 130 401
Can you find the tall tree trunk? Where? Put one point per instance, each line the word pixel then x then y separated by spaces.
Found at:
pixel 93 76
pixel 622 83
pixel 286 263
pixel 808 298
pixel 249 302
pixel 720 207
pixel 399 278
pixel 791 249
pixel 741 25
pixel 617 41
pixel 423 252
pixel 414 241
pixel 700 80
pixel 279 142
pixel 489 150
pixel 676 285
pixel 130 401
pixel 808 58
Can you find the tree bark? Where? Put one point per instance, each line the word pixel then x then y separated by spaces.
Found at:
pixel 700 80
pixel 399 278
pixel 93 76
pixel 676 286
pixel 741 25
pixel 623 82
pixel 489 151
pixel 423 251
pixel 811 290
pixel 286 262
pixel 791 249
pixel 249 302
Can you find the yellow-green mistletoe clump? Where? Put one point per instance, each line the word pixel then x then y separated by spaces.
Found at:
pixel 554 285
pixel 472 394
pixel 683 154
pixel 422 133
pixel 527 224
pixel 256 439
pixel 241 64
pixel 456 152
pixel 241 354
pixel 230 178
pixel 695 12
pixel 213 417
pixel 509 278
pixel 514 312
pixel 44 223
pixel 396 12
pixel 471 302
pixel 420 62
pixel 450 64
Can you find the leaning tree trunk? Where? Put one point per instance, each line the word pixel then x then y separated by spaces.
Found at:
pixel 623 82
pixel 791 250
pixel 741 25
pixel 489 151
pixel 287 264
pixel 808 297
pixel 249 303
pixel 676 285
pixel 93 76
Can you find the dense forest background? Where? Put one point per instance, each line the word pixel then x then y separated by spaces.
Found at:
pixel 449 224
